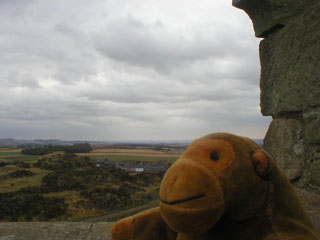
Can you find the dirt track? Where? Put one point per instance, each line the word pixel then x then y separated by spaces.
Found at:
pixel 132 211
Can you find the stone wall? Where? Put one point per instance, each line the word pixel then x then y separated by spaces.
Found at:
pixel 290 85
pixel 55 231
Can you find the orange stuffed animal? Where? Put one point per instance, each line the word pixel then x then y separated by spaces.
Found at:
pixel 223 187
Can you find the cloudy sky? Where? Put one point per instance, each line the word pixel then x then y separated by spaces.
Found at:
pixel 127 70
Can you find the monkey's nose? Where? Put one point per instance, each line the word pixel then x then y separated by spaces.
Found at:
pixel 169 182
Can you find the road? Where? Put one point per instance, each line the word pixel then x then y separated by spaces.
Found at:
pixel 132 211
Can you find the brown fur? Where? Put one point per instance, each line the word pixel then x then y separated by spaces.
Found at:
pixel 241 194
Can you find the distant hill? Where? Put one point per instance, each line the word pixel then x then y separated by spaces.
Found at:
pixel 258 141
pixel 10 142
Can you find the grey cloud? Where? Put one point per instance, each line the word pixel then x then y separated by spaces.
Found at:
pixel 130 40
pixel 46 46
pixel 68 70
pixel 172 93
pixel 179 86
pixel 16 79
pixel 17 9
pixel 72 31
pixel 122 120
pixel 41 105
pixel 76 69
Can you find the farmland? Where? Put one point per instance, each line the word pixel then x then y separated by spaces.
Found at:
pixel 72 184
pixel 7 154
pixel 15 157
pixel 126 154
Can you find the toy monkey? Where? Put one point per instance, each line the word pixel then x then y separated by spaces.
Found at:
pixel 224 187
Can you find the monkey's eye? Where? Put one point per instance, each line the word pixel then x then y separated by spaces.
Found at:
pixel 214 156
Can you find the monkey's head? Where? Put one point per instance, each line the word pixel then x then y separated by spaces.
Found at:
pixel 219 175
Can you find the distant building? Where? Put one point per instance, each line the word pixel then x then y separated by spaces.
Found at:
pixel 100 162
pixel 155 168
pixel 133 167
pixel 104 163
pixel 163 163
pixel 138 168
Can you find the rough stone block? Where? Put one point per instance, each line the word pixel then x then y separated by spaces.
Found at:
pixel 312 126
pixel 311 201
pixel 290 66
pixel 283 142
pixel 54 230
pixel 266 15
pixel 314 171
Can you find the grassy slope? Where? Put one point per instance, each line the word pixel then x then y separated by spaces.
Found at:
pixel 14 184
pixel 124 155
pixel 7 154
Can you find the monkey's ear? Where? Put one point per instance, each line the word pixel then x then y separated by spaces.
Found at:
pixel 261 164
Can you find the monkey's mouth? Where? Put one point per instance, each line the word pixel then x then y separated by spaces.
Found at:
pixel 183 200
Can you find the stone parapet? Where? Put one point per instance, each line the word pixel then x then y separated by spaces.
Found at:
pixel 290 66
pixel 55 231
pixel 312 125
pixel 289 54
pixel 290 82
pixel 290 87
pixel 288 135
pixel 269 15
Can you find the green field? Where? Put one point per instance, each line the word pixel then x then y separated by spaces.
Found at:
pixel 130 159
pixel 14 155
pixel 76 203
pixel 10 155
pixel 15 184
pixel 130 155
pixel 126 157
